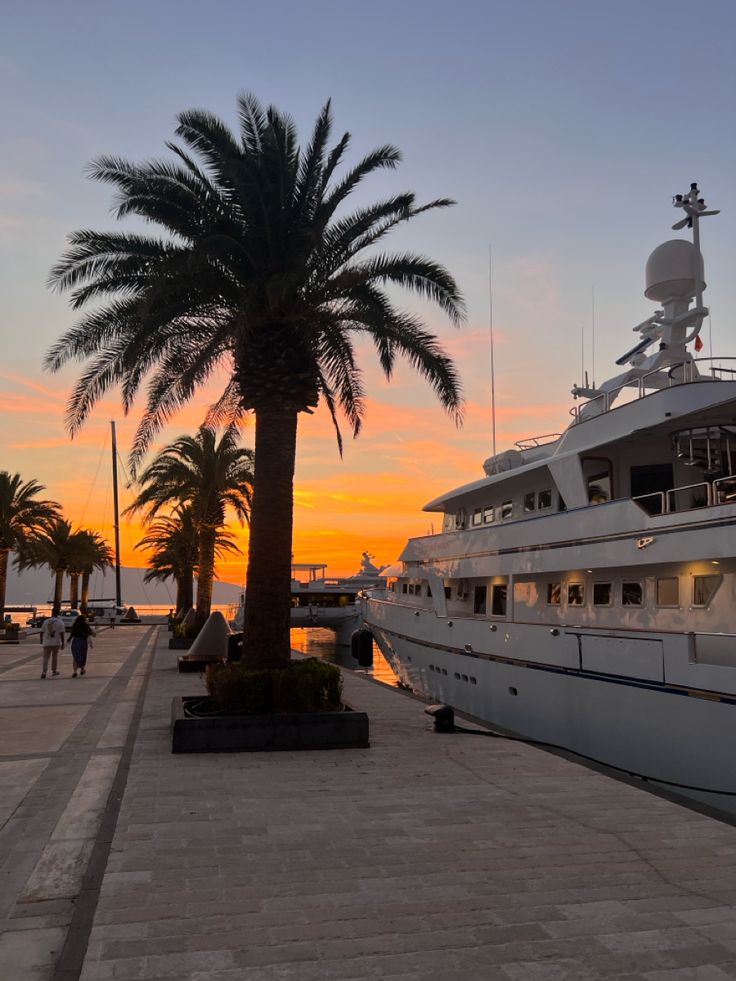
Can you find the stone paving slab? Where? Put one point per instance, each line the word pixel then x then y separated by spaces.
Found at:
pixel 54 784
pixel 42 730
pixel 425 857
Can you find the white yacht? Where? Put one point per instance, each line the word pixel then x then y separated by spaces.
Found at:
pixel 322 601
pixel 583 592
pixel 318 600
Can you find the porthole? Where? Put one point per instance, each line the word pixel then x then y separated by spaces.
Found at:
pixel 513 691
pixel 473 681
pixel 444 671
pixel 457 676
pixel 465 677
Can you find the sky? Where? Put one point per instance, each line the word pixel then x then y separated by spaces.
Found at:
pixel 561 130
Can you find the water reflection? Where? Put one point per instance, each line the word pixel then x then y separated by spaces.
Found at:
pixel 317 642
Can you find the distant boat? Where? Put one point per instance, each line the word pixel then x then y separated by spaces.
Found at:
pixel 328 602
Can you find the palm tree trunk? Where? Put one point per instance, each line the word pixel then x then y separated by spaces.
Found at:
pixel 268 592
pixel 4 555
pixel 185 593
pixel 58 587
pixel 73 589
pixel 85 591
pixel 205 580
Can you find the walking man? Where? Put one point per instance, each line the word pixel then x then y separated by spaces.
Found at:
pixel 52 640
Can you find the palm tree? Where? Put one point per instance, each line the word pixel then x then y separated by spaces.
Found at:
pixel 212 477
pixel 57 546
pixel 172 543
pixel 95 554
pixel 22 514
pixel 258 270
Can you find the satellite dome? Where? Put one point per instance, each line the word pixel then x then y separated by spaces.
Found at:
pixel 671 269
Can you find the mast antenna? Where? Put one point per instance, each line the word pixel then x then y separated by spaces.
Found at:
pixel 116 508
pixel 592 317
pixel 490 326
pixel 695 208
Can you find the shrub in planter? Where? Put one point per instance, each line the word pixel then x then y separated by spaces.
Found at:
pixel 311 685
pixel 186 631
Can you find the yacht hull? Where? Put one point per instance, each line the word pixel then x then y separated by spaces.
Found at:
pixel 657 716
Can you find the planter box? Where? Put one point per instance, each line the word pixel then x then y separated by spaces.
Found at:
pixel 180 643
pixel 255 733
pixel 196 662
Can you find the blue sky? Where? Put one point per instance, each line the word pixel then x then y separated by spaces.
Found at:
pixel 561 129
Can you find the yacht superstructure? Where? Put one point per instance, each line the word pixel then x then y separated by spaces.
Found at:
pixel 582 592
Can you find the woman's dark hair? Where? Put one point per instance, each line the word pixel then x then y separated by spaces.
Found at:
pixel 80 627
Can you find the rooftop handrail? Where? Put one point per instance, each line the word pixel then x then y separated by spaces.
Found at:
pixel 530 442
pixel 691 487
pixel 688 375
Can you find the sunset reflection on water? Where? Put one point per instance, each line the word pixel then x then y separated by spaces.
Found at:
pixel 317 642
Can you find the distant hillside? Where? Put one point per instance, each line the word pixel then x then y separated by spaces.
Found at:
pixel 36 587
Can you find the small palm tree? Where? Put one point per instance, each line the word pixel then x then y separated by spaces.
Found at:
pixel 22 514
pixel 172 544
pixel 211 477
pixel 95 553
pixel 56 546
pixel 259 269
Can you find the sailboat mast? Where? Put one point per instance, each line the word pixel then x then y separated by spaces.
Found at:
pixel 118 590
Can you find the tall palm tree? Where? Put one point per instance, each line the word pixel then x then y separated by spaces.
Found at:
pixel 212 477
pixel 22 514
pixel 57 546
pixel 95 554
pixel 260 270
pixel 172 544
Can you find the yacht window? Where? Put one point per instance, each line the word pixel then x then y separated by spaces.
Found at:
pixel 448 592
pixel 704 589
pixel 599 488
pixel 479 600
pixel 544 499
pixel 507 509
pixel 498 600
pixel 449 522
pixel 404 587
pixel 488 516
pixel 575 594
pixel 668 592
pixel 530 501
pixel 429 591
pixel 602 593
pixel 632 594
pixel 554 589
pixel 477 516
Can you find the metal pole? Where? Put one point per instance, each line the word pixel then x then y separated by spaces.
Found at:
pixel 493 370
pixel 116 526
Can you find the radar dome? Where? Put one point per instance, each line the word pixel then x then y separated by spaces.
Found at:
pixel 671 269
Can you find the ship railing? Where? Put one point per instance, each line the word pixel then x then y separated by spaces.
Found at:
pixel 532 442
pixel 701 495
pixel 681 373
pixel 724 490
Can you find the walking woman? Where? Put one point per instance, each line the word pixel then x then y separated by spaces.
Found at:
pixel 81 634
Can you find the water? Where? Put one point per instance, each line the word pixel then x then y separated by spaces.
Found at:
pixel 317 642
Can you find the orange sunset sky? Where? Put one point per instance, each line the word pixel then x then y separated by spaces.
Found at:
pixel 561 130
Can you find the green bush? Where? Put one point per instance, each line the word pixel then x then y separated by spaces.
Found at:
pixel 186 633
pixel 304 686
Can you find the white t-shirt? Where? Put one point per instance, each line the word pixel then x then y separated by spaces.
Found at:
pixel 52 632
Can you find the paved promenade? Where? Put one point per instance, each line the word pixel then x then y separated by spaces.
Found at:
pixel 427 856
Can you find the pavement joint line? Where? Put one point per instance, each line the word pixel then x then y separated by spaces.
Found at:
pixel 71 960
